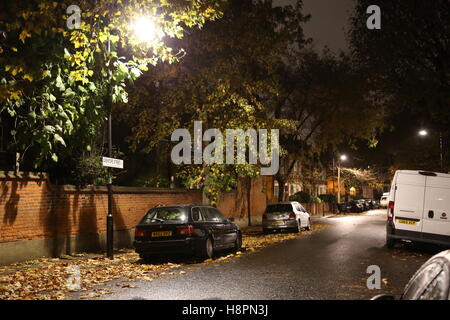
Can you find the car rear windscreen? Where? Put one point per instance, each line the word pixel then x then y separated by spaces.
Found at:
pixel 279 208
pixel 165 214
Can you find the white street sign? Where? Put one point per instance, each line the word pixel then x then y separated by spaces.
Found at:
pixel 112 163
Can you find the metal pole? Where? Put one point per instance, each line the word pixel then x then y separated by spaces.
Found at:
pixel 249 194
pixel 441 152
pixel 109 217
pixel 339 184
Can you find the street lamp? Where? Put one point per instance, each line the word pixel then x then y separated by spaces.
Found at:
pixel 145 30
pixel 342 158
pixel 424 133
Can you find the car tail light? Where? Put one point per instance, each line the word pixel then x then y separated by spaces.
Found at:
pixel 139 233
pixel 292 216
pixel 391 211
pixel 186 230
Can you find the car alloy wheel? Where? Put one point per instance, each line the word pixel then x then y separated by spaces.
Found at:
pixel 309 225
pixel 238 242
pixel 299 227
pixel 209 249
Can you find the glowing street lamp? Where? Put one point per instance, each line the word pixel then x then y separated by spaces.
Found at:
pixel 424 133
pixel 342 157
pixel 146 30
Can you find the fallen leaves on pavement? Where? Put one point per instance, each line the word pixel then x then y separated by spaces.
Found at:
pixel 254 239
pixel 50 278
pixel 53 278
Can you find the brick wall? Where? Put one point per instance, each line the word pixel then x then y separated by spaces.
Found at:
pixel 39 219
pixel 31 208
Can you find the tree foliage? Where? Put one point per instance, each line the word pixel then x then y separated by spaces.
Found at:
pixel 223 81
pixel 54 81
pixel 407 60
pixel 329 103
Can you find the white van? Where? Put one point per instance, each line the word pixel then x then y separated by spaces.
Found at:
pixel 384 200
pixel 419 207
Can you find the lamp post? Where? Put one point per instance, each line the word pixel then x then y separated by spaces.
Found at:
pixel 343 157
pixel 145 30
pixel 424 133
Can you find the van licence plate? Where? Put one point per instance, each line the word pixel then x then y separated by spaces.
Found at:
pixel 161 234
pixel 410 222
pixel 278 223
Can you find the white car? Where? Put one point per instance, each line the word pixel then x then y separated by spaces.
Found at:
pixel 384 200
pixel 419 208
pixel 430 282
pixel 286 216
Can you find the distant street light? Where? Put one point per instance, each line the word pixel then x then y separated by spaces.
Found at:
pixel 424 133
pixel 341 158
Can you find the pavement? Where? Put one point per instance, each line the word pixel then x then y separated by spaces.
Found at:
pixel 329 264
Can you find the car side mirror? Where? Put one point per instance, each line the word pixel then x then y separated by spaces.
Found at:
pixel 231 219
pixel 383 297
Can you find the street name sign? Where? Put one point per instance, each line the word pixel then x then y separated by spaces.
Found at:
pixel 112 163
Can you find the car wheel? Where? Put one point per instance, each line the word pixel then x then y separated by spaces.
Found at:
pixel 238 242
pixel 390 243
pixel 309 225
pixel 299 227
pixel 207 249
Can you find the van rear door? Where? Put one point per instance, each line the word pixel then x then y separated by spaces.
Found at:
pixel 436 217
pixel 408 200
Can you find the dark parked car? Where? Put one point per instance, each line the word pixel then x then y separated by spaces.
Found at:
pixel 430 282
pixel 351 206
pixel 195 230
pixel 366 205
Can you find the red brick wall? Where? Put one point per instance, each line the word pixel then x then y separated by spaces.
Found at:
pixel 31 208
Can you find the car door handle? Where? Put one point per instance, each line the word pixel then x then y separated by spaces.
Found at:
pixel 431 214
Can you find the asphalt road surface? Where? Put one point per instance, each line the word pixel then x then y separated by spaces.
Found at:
pixel 329 264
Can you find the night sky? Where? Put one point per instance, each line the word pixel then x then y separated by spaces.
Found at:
pixel 328 22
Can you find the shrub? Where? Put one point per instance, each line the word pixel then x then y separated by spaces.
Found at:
pixel 301 196
pixel 328 198
pixel 316 200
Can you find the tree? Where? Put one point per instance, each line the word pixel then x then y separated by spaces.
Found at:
pixel 224 81
pixel 407 61
pixel 328 101
pixel 407 66
pixel 54 81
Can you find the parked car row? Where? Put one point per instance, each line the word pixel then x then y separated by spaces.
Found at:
pixel 200 231
pixel 358 205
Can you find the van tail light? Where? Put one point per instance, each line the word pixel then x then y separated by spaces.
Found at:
pixel 292 216
pixel 139 233
pixel 391 211
pixel 186 230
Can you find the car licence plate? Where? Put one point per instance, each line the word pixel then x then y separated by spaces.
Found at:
pixel 410 222
pixel 157 234
pixel 278 223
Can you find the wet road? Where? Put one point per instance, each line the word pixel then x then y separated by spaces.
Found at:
pixel 329 264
